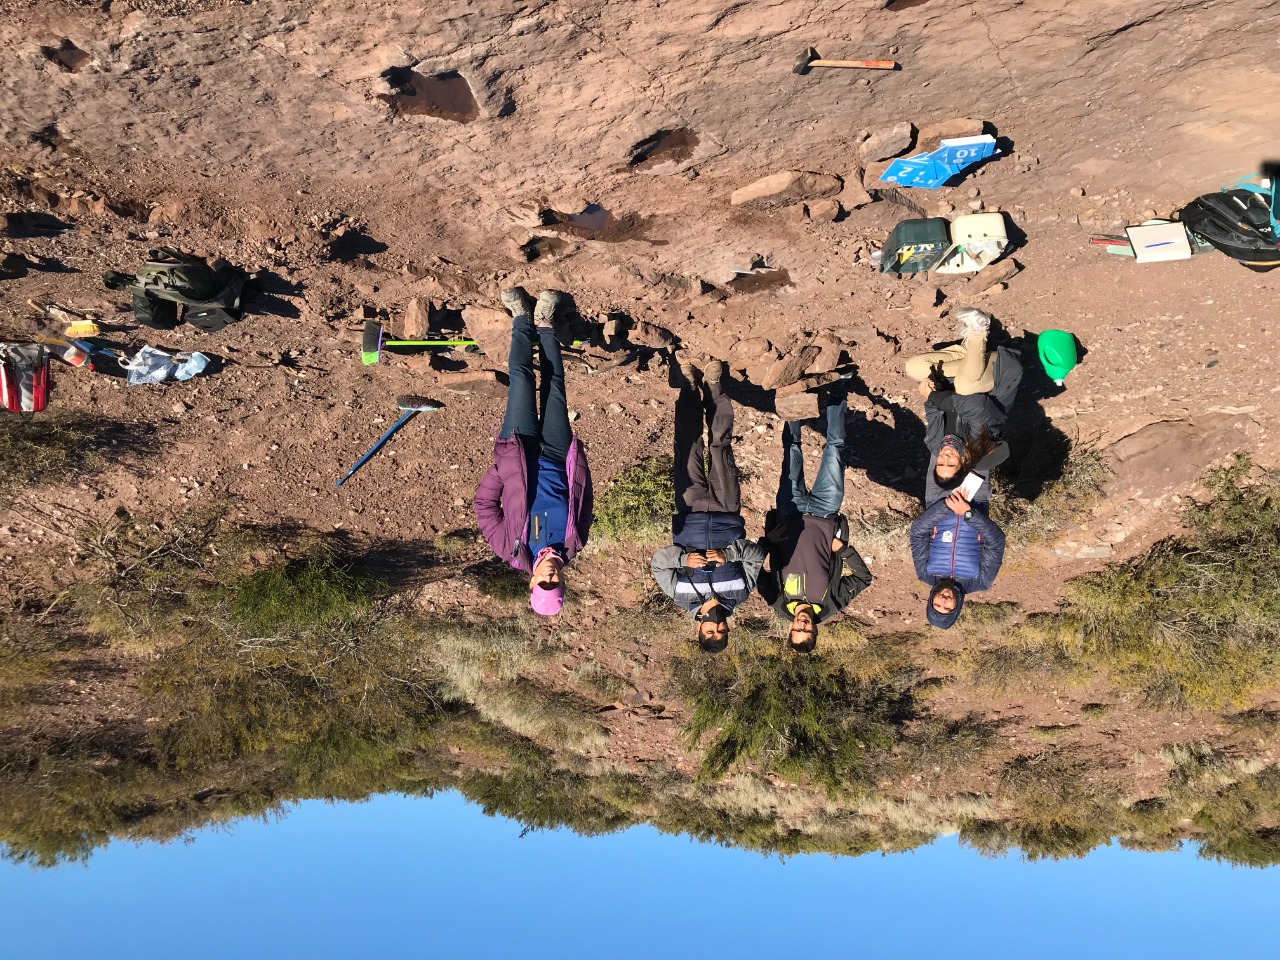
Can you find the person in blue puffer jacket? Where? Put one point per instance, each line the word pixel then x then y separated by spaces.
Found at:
pixel 710 566
pixel 957 549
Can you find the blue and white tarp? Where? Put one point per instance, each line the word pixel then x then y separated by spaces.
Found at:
pixel 931 170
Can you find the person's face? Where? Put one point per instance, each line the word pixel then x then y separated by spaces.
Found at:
pixel 948 463
pixel 802 627
pixel 546 574
pixel 718 632
pixel 945 600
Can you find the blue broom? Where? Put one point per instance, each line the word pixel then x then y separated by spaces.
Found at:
pixel 412 406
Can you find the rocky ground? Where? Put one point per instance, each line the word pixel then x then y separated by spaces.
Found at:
pixel 599 148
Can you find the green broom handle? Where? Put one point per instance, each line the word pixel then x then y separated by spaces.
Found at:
pixel 428 343
pixel 444 343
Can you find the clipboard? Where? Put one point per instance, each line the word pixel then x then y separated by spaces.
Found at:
pixel 1153 242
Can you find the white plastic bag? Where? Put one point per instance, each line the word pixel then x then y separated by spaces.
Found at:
pixel 150 365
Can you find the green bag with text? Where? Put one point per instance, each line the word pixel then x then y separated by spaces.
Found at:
pixel 915 246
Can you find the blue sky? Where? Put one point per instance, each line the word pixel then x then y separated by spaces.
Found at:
pixel 412 877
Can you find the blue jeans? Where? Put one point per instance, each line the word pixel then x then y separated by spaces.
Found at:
pixel 548 435
pixel 827 493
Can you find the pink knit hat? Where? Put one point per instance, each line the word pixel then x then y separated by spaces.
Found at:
pixel 546 601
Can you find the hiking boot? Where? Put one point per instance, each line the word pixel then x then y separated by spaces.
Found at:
pixel 516 301
pixel 713 373
pixel 689 374
pixel 972 321
pixel 544 313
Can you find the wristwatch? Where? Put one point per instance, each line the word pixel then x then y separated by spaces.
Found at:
pixel 968 514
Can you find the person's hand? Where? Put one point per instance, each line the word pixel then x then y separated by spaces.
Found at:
pixel 958 504
pixel 926 388
pixel 836 544
pixel 695 561
pixel 716 556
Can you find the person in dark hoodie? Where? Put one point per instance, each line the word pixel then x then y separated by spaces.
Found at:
pixel 808 540
pixel 534 504
pixel 968 391
pixel 711 566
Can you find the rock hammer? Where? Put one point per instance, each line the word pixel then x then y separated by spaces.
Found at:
pixel 810 59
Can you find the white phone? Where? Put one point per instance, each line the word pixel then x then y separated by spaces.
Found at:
pixel 971 485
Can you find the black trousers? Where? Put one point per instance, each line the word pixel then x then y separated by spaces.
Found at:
pixel 706 477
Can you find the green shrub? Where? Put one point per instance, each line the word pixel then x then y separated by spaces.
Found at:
pixel 43 448
pixel 1196 762
pixel 1195 622
pixel 600 680
pixel 1239 823
pixel 1260 721
pixel 454 544
pixel 1247 848
pixel 1155 824
pixel 800 716
pixel 1052 809
pixel 638 504
pixel 988 836
pixel 885 657
pixel 303 596
pixel 543 796
pixel 948 743
pixel 1053 732
pixel 64 807
pixel 223 695
pixel 1056 503
pixel 149 577
pixel 342 761
pixel 20 669
pixel 270 680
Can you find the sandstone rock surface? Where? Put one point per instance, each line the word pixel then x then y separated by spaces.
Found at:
pixel 825 211
pixel 490 328
pixel 889 141
pixel 797 406
pixel 790 368
pixel 931 133
pixel 417 319
pixel 784 188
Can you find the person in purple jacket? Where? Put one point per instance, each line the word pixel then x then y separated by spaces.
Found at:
pixel 534 504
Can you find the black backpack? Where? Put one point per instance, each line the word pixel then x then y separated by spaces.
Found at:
pixel 210 295
pixel 1239 221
